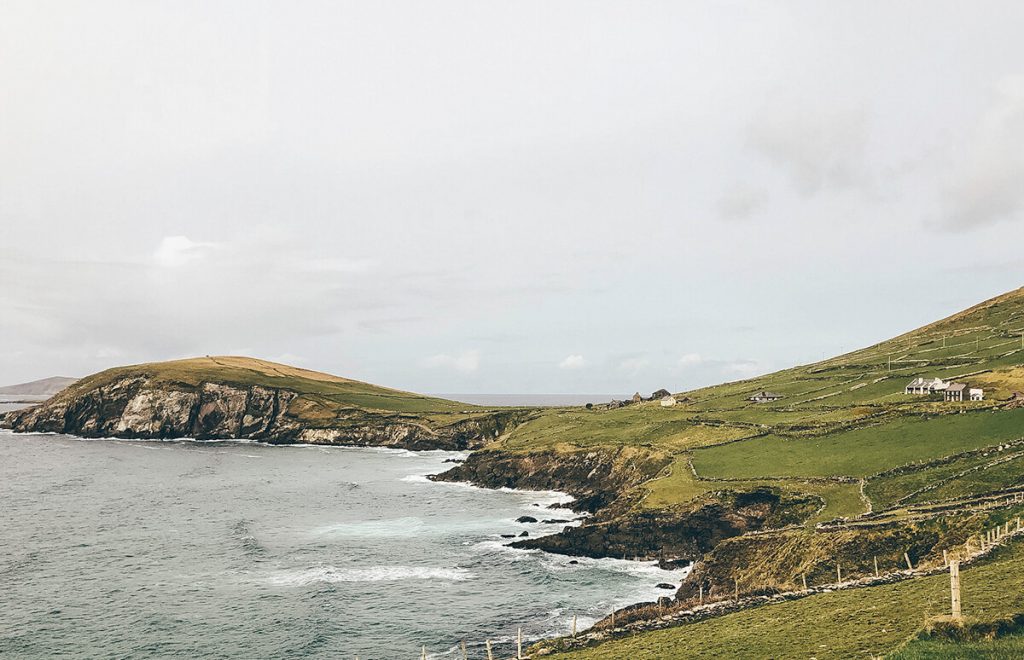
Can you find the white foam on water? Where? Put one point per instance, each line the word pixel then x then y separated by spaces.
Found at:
pixel 390 527
pixel 331 574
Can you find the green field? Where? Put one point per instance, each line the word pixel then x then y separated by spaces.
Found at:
pixel 861 452
pixel 856 623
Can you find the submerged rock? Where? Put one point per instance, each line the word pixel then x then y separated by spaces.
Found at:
pixel 526 519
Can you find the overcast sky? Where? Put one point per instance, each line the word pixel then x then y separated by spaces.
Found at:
pixel 506 196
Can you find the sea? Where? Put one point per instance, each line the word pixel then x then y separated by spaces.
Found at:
pixel 143 549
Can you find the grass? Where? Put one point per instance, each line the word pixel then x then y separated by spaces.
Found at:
pixel 1010 647
pixel 860 452
pixel 247 372
pixel 855 623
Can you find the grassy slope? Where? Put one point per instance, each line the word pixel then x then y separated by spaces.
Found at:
pixel 843 624
pixel 323 397
pixel 841 419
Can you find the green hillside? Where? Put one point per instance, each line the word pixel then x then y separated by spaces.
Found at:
pixel 891 470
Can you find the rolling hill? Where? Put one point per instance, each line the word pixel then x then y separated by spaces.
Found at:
pixel 844 469
pixel 239 397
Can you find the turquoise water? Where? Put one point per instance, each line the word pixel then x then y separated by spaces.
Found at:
pixel 112 549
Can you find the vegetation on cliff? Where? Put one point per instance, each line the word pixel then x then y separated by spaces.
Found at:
pixel 236 397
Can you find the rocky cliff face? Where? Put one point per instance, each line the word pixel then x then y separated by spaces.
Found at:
pixel 684 533
pixel 594 478
pixel 134 407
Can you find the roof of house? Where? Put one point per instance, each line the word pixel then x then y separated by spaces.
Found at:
pixel 764 394
pixel 956 387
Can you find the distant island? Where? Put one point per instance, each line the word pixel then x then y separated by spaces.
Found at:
pixel 44 387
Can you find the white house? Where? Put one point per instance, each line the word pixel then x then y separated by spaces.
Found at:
pixel 668 401
pixel 977 394
pixel 922 386
pixel 765 397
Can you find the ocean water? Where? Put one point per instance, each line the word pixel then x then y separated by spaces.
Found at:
pixel 114 549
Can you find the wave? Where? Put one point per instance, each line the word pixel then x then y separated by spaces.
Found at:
pixel 331 574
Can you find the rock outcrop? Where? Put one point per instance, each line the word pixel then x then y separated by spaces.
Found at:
pixel 135 406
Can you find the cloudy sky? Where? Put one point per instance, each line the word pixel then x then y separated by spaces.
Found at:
pixel 485 196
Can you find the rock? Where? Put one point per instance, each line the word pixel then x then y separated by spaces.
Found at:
pixel 659 394
pixel 526 519
pixel 664 585
pixel 574 562
pixel 508 536
pixel 555 521
pixel 453 460
pixel 525 534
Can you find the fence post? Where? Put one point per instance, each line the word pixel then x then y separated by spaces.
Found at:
pixel 519 644
pixel 945 558
pixel 423 653
pixel 875 559
pixel 736 583
pixel 839 574
pixel 465 656
pixel 490 656
pixel 954 589
pixel 907 557
pixel 804 577
pixel 573 625
pixel 701 593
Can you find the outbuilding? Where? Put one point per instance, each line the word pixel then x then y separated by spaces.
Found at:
pixel 668 401
pixel 765 396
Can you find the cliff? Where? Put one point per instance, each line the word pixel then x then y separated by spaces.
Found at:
pixel 224 398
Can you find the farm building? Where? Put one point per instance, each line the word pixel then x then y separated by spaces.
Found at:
pixel 637 398
pixel 956 392
pixel 921 386
pixel 765 397
pixel 977 394
pixel 668 401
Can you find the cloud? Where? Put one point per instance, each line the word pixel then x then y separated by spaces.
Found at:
pixel 634 364
pixel 465 362
pixel 175 251
pixel 572 362
pixel 743 368
pixel 989 186
pixel 740 203
pixel 816 145
pixel 690 359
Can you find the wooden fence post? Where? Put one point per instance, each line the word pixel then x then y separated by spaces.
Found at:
pixel 907 557
pixel 701 593
pixel 839 574
pixel 490 656
pixel 613 618
pixel 875 559
pixel 945 558
pixel 465 656
pixel 423 654
pixel 804 577
pixel 954 589
pixel 573 625
pixel 736 583
pixel 519 644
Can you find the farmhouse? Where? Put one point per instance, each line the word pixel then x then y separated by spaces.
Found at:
pixel 668 401
pixel 765 397
pixel 961 392
pixel 922 386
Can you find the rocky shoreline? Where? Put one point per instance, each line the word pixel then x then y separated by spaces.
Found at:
pixel 132 407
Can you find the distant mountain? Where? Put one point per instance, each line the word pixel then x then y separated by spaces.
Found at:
pixel 44 387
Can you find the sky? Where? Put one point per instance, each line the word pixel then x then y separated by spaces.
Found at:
pixel 481 196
